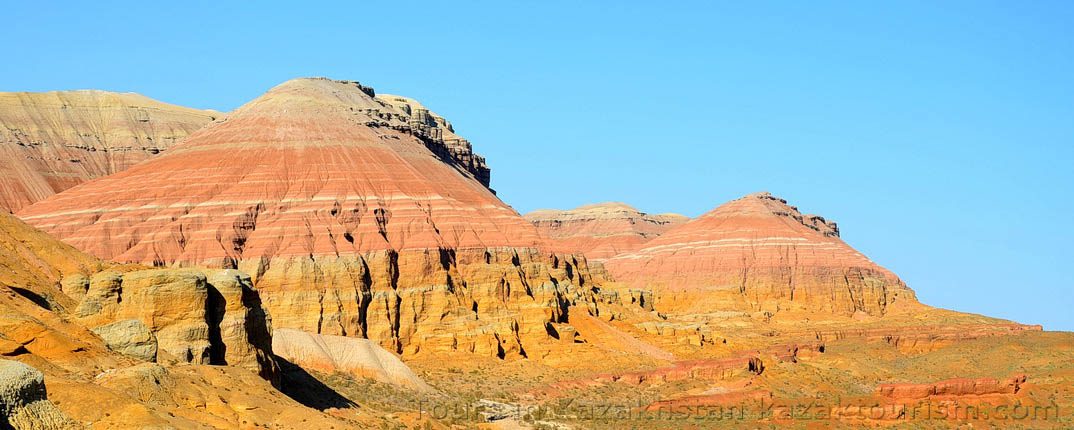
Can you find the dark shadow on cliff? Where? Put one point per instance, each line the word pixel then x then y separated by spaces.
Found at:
pixel 303 388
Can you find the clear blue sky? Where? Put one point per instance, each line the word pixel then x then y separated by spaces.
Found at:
pixel 939 134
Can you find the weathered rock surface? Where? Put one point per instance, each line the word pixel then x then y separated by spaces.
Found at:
pixel 952 388
pixel 759 254
pixel 359 357
pixel 601 231
pixel 188 315
pixel 52 141
pixel 346 216
pixel 23 403
pixel 129 337
pixel 440 136
pixel 192 318
pixel 89 379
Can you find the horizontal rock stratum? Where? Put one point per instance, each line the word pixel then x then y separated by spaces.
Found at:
pixel 348 215
pixel 602 230
pixel 52 141
pixel 758 253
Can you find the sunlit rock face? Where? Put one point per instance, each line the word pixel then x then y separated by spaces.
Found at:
pixel 50 142
pixel 758 253
pixel 347 215
pixel 601 231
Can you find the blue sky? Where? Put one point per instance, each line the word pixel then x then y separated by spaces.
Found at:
pixel 940 135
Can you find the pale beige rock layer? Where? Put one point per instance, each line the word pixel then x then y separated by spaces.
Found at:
pixel 601 231
pixel 52 141
pixel 358 357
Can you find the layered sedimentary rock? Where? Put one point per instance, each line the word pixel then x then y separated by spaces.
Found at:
pixel 359 357
pixel 92 347
pixel 214 319
pixel 758 253
pixel 440 136
pixel 601 231
pixel 347 220
pixel 50 142
pixel 952 388
pixel 192 315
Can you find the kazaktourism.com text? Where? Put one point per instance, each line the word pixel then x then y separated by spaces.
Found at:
pixel 770 410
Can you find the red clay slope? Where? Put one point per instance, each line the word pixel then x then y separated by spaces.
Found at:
pixel 758 253
pixel 351 216
pixel 314 166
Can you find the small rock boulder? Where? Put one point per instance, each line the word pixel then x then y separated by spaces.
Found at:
pixel 129 337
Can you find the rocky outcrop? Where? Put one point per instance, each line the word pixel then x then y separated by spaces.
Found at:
pixel 23 403
pixel 439 136
pixel 346 220
pixel 92 376
pixel 601 231
pixel 359 357
pixel 215 319
pixel 952 388
pixel 53 141
pixel 194 315
pixel 920 338
pixel 129 337
pixel 713 370
pixel 758 253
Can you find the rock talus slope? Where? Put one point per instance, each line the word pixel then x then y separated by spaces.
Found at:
pixel 52 141
pixel 346 214
pixel 758 253
pixel 601 231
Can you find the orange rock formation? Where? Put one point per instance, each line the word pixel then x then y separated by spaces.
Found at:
pixel 952 388
pixel 759 254
pixel 347 216
pixel 91 346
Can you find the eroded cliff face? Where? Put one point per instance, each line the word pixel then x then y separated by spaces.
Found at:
pixel 126 346
pixel 347 219
pixel 758 253
pixel 439 136
pixel 52 141
pixel 601 231
pixel 73 300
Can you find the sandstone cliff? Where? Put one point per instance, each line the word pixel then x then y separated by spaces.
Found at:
pixel 126 346
pixel 348 220
pixel 601 231
pixel 758 253
pixel 439 136
pixel 53 141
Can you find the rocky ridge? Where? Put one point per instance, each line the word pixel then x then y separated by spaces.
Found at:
pixel 758 253
pixel 346 220
pixel 439 136
pixel 52 141
pixel 601 231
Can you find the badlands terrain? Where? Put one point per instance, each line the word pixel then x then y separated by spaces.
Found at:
pixel 326 257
